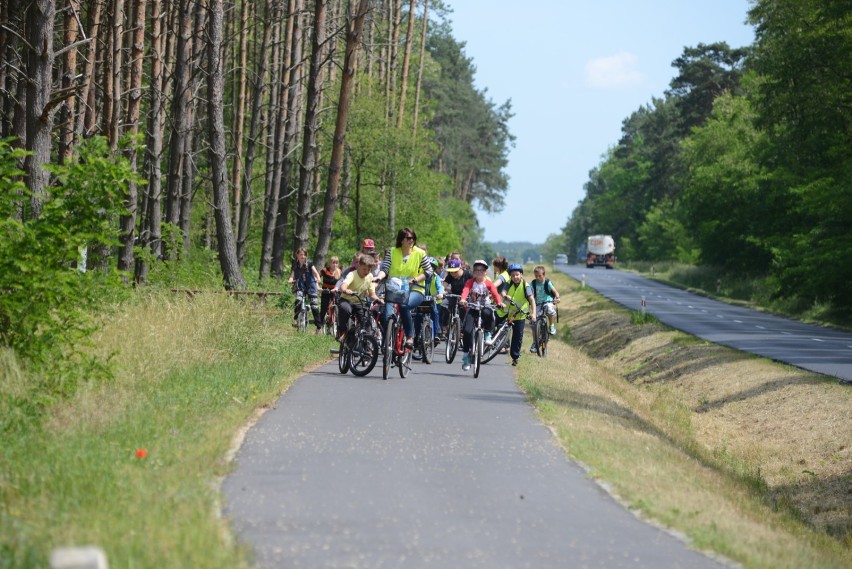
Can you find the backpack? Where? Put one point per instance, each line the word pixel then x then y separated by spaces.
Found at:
pixel 548 287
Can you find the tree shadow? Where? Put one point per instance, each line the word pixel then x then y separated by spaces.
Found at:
pixel 758 390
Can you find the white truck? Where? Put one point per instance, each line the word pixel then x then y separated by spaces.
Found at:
pixel 600 251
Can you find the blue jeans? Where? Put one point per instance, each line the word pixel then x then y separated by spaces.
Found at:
pixel 414 300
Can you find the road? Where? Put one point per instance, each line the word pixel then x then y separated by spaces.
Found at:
pixel 806 346
pixel 435 470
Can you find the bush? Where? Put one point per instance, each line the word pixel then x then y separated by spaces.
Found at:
pixel 48 298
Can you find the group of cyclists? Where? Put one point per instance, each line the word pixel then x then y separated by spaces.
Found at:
pixel 406 275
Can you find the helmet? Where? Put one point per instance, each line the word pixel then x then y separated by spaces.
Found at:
pixel 516 267
pixel 433 261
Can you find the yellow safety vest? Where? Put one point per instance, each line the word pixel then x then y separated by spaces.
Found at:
pixel 409 268
pixel 518 294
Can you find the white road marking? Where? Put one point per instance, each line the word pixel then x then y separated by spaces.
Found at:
pixel 761 327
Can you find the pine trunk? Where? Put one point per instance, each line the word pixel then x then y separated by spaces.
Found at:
pixel 353 37
pixel 254 132
pixel 309 141
pixel 39 115
pixel 294 105
pixel 134 102
pixel 216 125
pixel 406 62
pixel 239 120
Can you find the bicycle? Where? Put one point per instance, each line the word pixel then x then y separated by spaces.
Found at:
pixel 302 309
pixel 424 340
pixel 330 318
pixel 500 338
pixel 453 329
pixel 394 350
pixel 541 333
pixel 478 346
pixel 359 350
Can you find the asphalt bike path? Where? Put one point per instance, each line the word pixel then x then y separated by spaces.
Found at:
pixel 435 470
pixel 824 350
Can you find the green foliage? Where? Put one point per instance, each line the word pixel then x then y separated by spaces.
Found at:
pixel 47 301
pixel 472 132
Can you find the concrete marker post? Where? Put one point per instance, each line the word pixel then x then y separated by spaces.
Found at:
pixel 88 557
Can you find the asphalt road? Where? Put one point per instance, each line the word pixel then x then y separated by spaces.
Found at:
pixel 436 470
pixel 806 346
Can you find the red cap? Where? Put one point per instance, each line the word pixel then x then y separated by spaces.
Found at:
pixel 368 244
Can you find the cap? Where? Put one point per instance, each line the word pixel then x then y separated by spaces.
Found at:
pixel 453 266
pixel 480 262
pixel 516 267
pixel 368 244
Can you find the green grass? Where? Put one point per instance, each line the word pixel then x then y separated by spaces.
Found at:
pixel 190 373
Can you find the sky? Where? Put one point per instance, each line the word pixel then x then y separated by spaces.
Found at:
pixel 574 70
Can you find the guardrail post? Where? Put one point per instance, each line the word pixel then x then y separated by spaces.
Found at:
pixel 642 305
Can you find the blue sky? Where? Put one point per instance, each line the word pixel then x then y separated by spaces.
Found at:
pixel 574 71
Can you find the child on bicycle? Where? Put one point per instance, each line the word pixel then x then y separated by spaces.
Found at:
pixel 357 283
pixel 521 294
pixel 480 290
pixel 306 277
pixel 329 275
pixel 546 297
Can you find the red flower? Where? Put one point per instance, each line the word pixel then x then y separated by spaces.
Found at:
pixel 141 453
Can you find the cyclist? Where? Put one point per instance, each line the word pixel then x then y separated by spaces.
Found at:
pixel 501 273
pixel 405 265
pixel 521 294
pixel 546 297
pixel 478 289
pixel 306 277
pixel 454 281
pixel 358 282
pixel 329 276
pixel 435 289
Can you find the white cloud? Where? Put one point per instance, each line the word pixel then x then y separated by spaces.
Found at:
pixel 614 72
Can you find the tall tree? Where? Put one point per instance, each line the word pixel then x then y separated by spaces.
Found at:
pixel 231 272
pixel 704 73
pixel 354 28
pixel 311 129
pixel 39 22
pixel 134 102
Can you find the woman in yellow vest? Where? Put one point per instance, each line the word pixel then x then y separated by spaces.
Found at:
pixel 407 265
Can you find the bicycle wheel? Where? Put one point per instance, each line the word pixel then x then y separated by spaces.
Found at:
pixel 364 354
pixel 542 334
pixel 404 361
pixel 329 325
pixel 303 318
pixel 427 341
pixel 501 340
pixel 343 356
pixel 476 352
pixel 387 351
pixel 452 340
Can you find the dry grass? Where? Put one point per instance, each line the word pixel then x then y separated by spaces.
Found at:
pixel 766 444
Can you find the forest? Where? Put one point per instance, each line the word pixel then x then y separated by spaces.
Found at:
pixel 200 142
pixel 744 164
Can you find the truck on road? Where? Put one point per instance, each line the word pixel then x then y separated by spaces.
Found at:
pixel 600 251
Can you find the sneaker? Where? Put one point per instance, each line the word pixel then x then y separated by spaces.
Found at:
pixel 488 339
pixel 466 363
pixel 552 329
pixel 515 361
pixel 533 349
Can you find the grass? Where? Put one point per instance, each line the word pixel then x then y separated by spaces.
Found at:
pixel 190 373
pixel 749 459
pixel 700 438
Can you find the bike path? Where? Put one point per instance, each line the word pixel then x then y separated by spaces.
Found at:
pixel 435 470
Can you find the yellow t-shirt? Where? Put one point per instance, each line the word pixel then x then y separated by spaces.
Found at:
pixel 363 286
